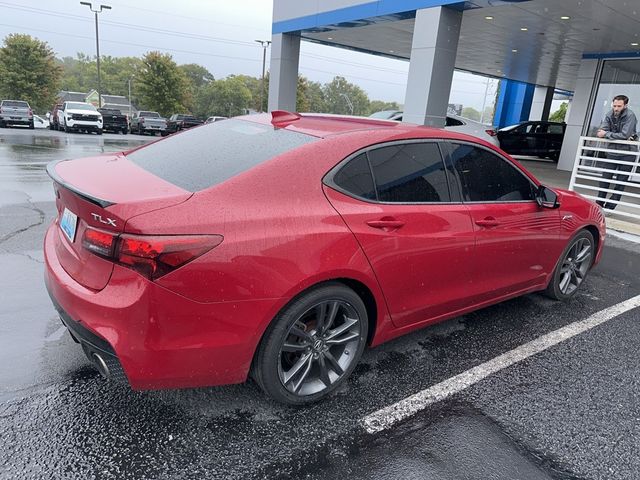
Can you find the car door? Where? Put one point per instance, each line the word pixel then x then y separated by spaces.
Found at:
pixel 539 139
pixel 517 241
pixel 417 235
pixel 514 139
pixel 555 136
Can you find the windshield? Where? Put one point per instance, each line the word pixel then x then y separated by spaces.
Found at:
pixel 80 106
pixel 109 111
pixel 150 114
pixel 15 103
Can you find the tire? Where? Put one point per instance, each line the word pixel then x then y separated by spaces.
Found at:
pixel 573 266
pixel 125 131
pixel 66 129
pixel 301 359
pixel 31 126
pixel 52 126
pixel 99 131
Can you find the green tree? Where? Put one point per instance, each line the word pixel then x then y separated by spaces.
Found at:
pixel 29 71
pixel 162 86
pixel 380 106
pixel 197 78
pixel 197 74
pixel 340 95
pixel 315 97
pixel 228 97
pixel 471 113
pixel 558 115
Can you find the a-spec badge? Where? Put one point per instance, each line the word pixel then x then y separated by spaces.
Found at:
pixel 106 221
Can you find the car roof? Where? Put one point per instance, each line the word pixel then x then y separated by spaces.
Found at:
pixel 327 125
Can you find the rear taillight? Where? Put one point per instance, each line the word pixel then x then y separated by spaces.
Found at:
pixel 491 132
pixel 152 256
pixel 99 242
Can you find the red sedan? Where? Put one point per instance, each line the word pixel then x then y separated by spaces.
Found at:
pixel 279 246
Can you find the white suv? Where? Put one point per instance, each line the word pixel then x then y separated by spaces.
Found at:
pixel 79 116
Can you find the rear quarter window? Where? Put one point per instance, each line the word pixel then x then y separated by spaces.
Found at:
pixel 205 156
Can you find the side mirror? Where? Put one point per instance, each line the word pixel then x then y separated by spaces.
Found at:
pixel 547 198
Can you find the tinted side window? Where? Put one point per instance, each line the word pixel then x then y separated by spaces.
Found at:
pixel 412 172
pixel 485 177
pixel 355 177
pixel 556 129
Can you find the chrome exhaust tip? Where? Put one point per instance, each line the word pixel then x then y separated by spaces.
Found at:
pixel 100 364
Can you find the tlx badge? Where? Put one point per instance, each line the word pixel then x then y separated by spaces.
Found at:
pixel 107 221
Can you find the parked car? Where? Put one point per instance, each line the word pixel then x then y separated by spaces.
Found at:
pixel 540 139
pixel 79 117
pixel 39 122
pixel 453 122
pixel 180 121
pixel 143 122
pixel 114 121
pixel 53 118
pixel 214 119
pixel 15 112
pixel 282 245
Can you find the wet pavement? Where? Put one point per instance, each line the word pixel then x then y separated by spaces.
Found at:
pixel 570 412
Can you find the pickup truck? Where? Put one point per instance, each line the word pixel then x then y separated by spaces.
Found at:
pixel 144 121
pixel 114 121
pixel 179 121
pixel 15 112
pixel 79 116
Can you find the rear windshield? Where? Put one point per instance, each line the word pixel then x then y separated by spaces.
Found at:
pixel 109 111
pixel 14 103
pixel 150 114
pixel 208 155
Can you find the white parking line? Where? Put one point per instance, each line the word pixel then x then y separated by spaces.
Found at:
pixel 388 416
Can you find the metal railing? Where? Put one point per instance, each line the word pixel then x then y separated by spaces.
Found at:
pixel 593 166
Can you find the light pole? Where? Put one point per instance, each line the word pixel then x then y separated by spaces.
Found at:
pixel 96 12
pixel 265 44
pixel 349 104
pixel 129 82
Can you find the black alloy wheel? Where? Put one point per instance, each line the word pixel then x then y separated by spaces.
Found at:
pixel 312 346
pixel 573 266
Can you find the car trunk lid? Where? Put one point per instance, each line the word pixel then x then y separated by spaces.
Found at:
pixel 102 193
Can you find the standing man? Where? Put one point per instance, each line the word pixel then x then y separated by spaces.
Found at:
pixel 618 124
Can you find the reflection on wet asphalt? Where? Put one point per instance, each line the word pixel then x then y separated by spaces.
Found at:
pixel 24 155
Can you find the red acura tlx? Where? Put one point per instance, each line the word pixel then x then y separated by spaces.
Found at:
pixel 280 245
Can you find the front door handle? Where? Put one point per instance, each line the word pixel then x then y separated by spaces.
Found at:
pixel 386 224
pixel 488 222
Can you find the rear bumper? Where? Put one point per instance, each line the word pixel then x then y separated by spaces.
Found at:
pixel 16 119
pixel 153 128
pixel 160 339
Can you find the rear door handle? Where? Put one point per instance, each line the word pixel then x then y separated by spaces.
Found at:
pixel 386 224
pixel 488 222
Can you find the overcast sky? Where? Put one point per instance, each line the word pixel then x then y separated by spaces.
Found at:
pixel 217 34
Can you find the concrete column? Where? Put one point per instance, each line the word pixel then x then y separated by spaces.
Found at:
pixel 283 72
pixel 541 104
pixel 514 103
pixel 577 115
pixel 433 58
